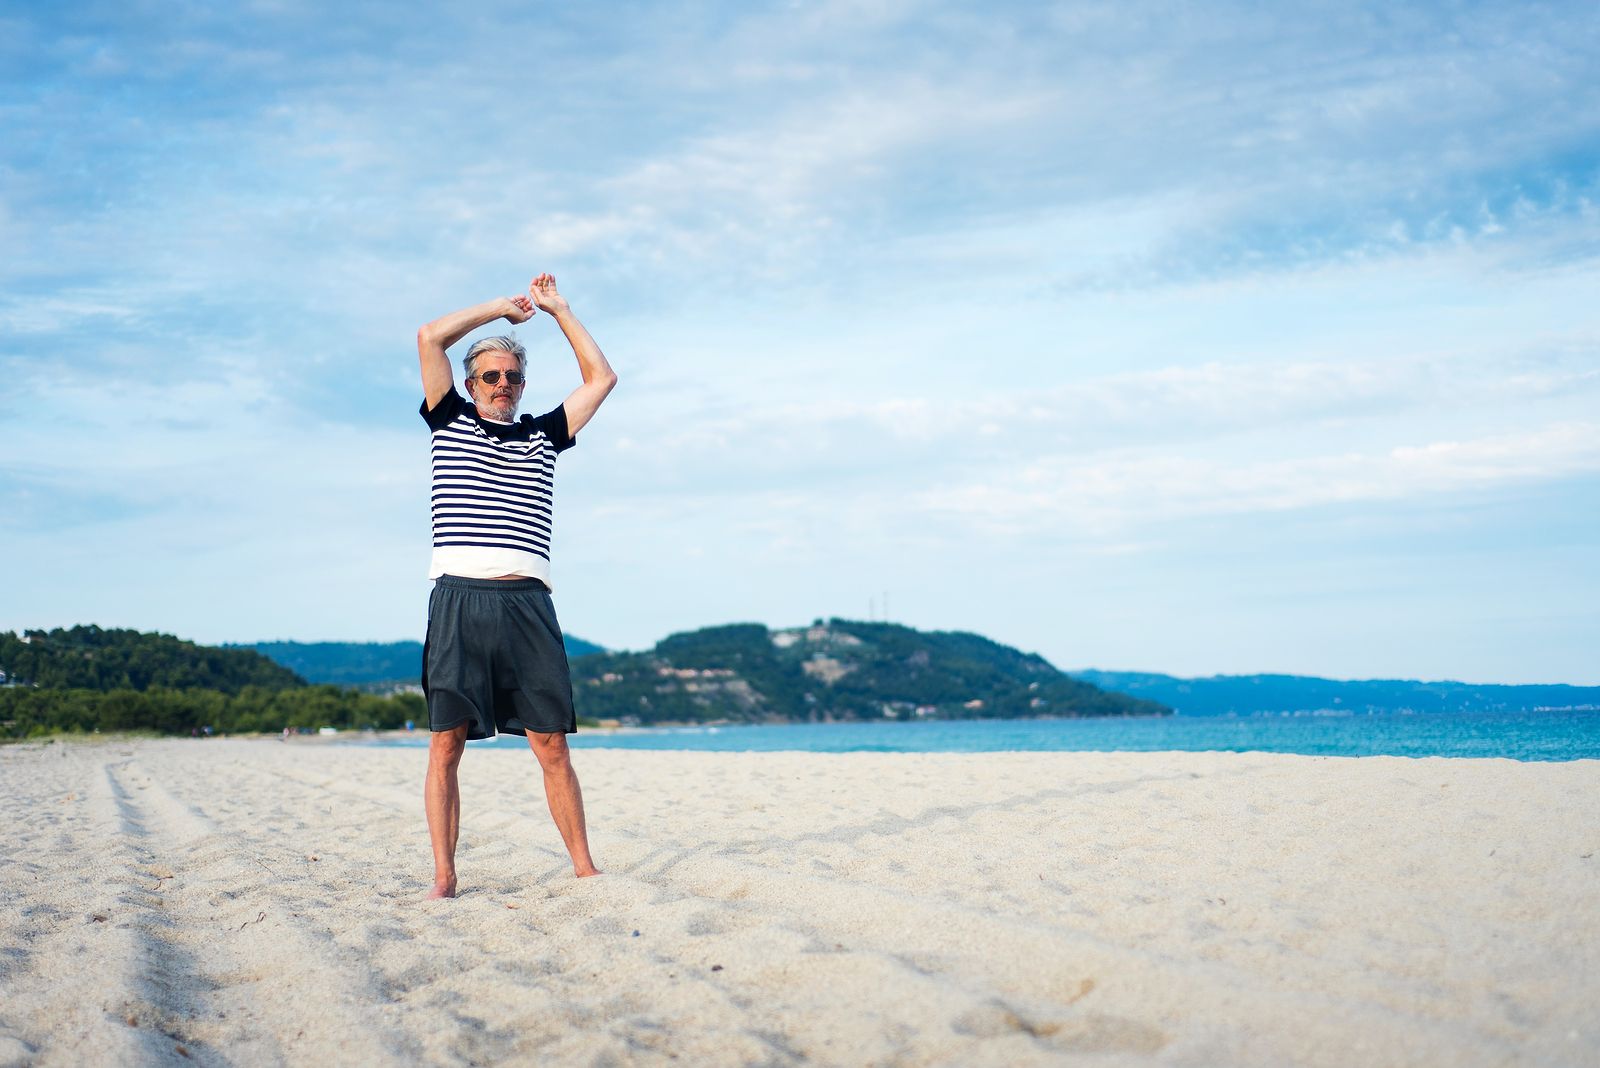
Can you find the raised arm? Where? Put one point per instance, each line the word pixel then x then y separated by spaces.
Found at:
pixel 598 377
pixel 439 335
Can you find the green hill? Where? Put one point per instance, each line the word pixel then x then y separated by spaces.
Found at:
pixel 841 670
pixel 87 678
pixel 90 658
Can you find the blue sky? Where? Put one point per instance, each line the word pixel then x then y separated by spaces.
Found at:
pixel 1183 338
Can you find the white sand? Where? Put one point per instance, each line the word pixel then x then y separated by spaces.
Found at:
pixel 258 903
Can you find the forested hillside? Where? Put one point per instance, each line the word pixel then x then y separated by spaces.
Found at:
pixel 836 670
pixel 87 678
pixel 88 657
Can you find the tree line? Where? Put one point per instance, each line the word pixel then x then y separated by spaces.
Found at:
pixel 26 712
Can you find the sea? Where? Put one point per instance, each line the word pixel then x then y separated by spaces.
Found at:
pixel 1541 736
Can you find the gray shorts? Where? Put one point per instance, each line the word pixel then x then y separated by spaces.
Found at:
pixel 494 659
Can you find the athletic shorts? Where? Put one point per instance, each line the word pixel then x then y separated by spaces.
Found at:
pixel 494 659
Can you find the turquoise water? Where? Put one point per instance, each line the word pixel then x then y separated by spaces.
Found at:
pixel 1517 735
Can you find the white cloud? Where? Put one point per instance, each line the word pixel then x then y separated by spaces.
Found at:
pixel 771 190
pixel 58 312
pixel 1112 495
pixel 806 437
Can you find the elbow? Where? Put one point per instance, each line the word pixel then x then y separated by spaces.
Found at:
pixel 610 381
pixel 427 334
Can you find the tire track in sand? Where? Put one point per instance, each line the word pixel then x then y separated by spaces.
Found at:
pixel 74 953
pixel 226 971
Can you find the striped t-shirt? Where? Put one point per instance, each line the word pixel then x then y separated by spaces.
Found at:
pixel 492 488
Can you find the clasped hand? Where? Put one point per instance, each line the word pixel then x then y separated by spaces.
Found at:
pixel 542 297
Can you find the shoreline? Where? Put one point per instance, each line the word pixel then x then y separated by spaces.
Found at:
pixel 1523 737
pixel 1546 735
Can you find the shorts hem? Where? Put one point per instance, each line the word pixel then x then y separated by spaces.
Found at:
pixel 525 731
pixel 499 729
pixel 469 722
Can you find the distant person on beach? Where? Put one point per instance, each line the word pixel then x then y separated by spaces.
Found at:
pixel 493 661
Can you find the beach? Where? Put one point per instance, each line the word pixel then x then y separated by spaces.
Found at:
pixel 258 902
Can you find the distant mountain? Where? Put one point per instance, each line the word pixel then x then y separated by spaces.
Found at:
pixel 839 670
pixel 1222 695
pixel 92 658
pixel 368 664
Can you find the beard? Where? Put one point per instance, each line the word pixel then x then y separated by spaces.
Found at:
pixel 500 407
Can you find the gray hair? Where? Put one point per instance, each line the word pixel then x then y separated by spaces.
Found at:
pixel 504 343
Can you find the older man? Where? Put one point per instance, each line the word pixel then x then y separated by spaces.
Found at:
pixel 493 661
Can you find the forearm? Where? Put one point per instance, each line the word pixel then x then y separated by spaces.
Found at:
pixel 592 364
pixel 598 377
pixel 447 330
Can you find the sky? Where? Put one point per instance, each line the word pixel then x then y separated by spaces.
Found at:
pixel 1197 339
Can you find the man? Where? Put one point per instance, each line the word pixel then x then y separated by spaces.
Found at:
pixel 493 660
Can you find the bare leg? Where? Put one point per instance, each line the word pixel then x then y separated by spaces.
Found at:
pixel 565 797
pixel 442 795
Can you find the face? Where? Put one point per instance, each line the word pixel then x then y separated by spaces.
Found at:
pixel 500 400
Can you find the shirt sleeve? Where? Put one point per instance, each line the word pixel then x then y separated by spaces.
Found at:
pixel 554 425
pixel 449 406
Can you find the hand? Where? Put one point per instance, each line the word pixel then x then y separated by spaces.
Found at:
pixel 543 291
pixel 521 310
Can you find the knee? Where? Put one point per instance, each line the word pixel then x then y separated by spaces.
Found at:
pixel 445 749
pixel 552 751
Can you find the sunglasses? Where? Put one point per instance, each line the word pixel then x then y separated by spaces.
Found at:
pixel 490 378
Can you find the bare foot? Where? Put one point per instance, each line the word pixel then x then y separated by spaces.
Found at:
pixel 444 888
pixel 585 874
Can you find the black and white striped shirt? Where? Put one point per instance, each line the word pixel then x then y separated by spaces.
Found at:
pixel 492 489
